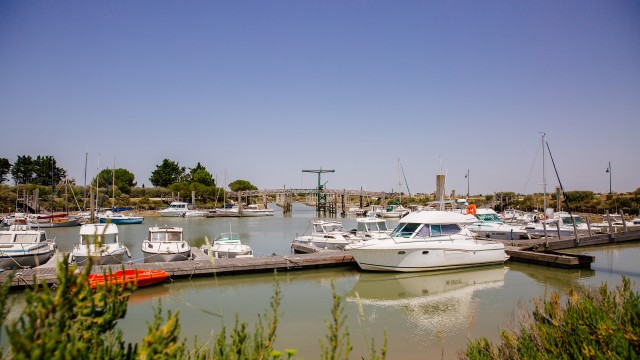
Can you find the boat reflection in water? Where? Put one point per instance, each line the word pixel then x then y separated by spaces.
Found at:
pixel 437 302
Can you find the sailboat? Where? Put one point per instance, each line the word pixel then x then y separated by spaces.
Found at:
pixel 114 215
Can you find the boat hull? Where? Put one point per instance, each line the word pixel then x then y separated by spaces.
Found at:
pixel 152 257
pixel 14 260
pixel 133 276
pixel 117 221
pixel 111 259
pixel 427 256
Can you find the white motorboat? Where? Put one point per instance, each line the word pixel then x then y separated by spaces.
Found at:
pixel 616 223
pixel 101 243
pixel 228 245
pixel 566 220
pixel 372 227
pixel 175 209
pixel 237 210
pixel 327 234
pixel 23 247
pixel 393 211
pixel 165 244
pixel 427 240
pixel 554 228
pixel 488 225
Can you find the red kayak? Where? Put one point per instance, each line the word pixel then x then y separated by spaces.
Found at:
pixel 145 277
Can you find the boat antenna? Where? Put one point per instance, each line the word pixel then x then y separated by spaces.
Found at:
pixel 405 179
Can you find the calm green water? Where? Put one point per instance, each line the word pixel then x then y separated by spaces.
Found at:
pixel 426 315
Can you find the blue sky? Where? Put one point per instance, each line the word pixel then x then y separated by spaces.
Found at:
pixel 264 89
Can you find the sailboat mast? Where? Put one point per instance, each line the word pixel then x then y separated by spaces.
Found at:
pixel 544 191
pixel 84 192
pixel 113 185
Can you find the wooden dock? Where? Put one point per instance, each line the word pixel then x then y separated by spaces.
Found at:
pixel 543 252
pixel 201 265
pixel 538 251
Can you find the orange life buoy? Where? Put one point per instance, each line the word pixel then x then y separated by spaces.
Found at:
pixel 471 209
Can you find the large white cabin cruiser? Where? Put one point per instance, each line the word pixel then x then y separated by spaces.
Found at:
pixel 488 225
pixel 427 240
pixel 175 209
pixel 165 244
pixel 101 243
pixel 23 247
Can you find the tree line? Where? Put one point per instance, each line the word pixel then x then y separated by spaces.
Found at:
pixel 169 177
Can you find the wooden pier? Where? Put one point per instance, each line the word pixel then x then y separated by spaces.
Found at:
pixel 201 265
pixel 538 251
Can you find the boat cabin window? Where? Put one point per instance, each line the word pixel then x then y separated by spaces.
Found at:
pixel 405 229
pixel 488 217
pixel 330 228
pixel 6 238
pixel 363 226
pixel 156 236
pixel 26 238
pixel 173 236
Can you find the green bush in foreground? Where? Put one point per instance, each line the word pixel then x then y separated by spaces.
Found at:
pixel 77 322
pixel 599 324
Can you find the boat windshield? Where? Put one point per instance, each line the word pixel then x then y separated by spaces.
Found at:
pixel 329 227
pixel 488 217
pixel 6 238
pixel 566 220
pixel 424 231
pixel 26 238
pixel 372 226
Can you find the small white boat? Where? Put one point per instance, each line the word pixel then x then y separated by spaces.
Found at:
pixel 165 244
pixel 488 225
pixel 394 211
pixel 327 234
pixel 228 245
pixel 175 209
pixel 236 210
pixel 425 241
pixel 101 243
pixel 554 228
pixel 23 247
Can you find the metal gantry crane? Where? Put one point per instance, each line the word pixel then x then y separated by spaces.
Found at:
pixel 321 201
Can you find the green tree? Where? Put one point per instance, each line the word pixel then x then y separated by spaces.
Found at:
pixel 22 170
pixel 167 173
pixel 5 167
pixel 46 171
pixel 124 179
pixel 241 185
pixel 199 174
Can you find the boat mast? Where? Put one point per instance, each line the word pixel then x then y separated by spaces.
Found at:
pixel 113 185
pixel 544 192
pixel 84 192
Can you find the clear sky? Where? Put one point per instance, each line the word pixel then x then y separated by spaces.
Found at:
pixel 265 89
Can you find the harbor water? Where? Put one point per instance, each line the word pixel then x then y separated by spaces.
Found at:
pixel 425 315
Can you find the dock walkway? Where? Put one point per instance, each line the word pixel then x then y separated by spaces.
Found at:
pixel 201 265
pixel 538 251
